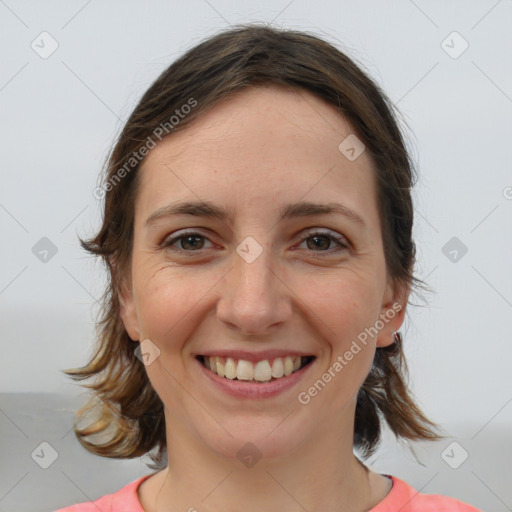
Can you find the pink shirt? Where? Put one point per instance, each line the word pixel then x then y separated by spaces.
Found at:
pixel 401 497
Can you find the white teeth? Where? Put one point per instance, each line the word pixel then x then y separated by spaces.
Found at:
pixel 244 370
pixel 230 368
pixel 288 365
pixel 219 367
pixel 261 371
pixel 277 368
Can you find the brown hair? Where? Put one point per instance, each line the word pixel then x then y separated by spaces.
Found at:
pixel 129 415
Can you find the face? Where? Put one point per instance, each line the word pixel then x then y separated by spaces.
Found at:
pixel 262 277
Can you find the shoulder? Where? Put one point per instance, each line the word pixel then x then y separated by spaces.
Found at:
pixel 405 498
pixel 123 499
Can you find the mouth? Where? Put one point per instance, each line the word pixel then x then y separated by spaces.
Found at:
pixel 262 371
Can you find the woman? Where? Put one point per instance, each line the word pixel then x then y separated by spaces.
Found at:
pixel 257 233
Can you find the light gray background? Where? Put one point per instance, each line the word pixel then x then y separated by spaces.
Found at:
pixel 59 117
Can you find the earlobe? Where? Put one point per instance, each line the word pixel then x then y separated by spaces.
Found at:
pixel 128 314
pixel 392 314
pixel 124 292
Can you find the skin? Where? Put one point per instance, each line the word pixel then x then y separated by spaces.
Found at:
pixel 253 154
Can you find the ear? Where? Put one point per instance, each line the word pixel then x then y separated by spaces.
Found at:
pixel 393 312
pixel 128 310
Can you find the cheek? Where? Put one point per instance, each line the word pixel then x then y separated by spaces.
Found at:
pixel 346 311
pixel 345 305
pixel 169 309
pixel 165 303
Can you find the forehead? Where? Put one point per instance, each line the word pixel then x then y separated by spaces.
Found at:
pixel 262 145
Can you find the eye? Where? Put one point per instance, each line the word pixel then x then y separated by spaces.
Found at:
pixel 322 240
pixel 190 241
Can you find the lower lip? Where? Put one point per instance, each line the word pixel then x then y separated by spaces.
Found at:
pixel 245 389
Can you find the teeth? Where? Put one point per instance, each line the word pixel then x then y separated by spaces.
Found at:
pixel 261 371
pixel 219 367
pixel 244 370
pixel 288 365
pixel 277 368
pixel 230 369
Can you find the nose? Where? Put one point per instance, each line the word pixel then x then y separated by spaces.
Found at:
pixel 254 297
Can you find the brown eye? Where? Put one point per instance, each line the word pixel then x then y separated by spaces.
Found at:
pixel 187 242
pixel 322 241
pixel 319 242
pixel 191 242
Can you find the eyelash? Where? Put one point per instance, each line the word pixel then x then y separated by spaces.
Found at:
pixel 339 239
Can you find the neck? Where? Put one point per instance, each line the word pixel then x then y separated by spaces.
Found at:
pixel 320 474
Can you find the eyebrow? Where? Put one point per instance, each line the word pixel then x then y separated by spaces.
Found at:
pixel 206 209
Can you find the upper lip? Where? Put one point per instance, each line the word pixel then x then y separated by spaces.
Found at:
pixel 254 356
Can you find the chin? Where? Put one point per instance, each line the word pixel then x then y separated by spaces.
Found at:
pixel 254 440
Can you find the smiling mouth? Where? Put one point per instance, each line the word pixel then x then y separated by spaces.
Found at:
pixel 261 371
